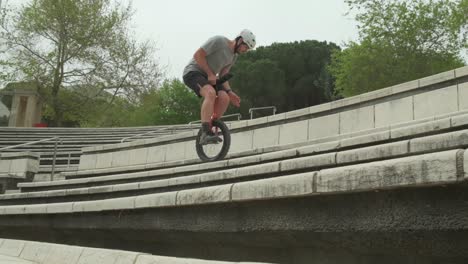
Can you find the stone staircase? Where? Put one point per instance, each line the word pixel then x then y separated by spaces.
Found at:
pixel 381 177
pixel 72 140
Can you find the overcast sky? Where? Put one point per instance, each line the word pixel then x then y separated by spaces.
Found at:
pixel 179 27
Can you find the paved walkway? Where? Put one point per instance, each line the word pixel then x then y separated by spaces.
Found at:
pixel 13 260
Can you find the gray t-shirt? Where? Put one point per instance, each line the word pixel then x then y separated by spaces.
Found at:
pixel 218 55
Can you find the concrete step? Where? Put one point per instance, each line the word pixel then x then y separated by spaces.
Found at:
pixel 14 260
pixel 289 162
pixel 35 252
pixel 58 167
pixel 46 177
pixel 418 128
pixel 11 191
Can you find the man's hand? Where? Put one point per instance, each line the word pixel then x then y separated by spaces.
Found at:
pixel 235 99
pixel 212 79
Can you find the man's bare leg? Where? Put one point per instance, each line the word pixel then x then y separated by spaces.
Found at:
pixel 209 98
pixel 221 103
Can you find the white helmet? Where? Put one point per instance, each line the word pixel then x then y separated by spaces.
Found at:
pixel 248 37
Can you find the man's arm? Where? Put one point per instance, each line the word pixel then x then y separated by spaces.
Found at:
pixel 223 72
pixel 235 99
pixel 200 58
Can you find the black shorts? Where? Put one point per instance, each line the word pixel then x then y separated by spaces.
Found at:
pixel 194 80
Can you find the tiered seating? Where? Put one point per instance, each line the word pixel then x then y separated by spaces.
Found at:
pixel 72 140
pixel 392 193
pixel 272 162
pixel 414 155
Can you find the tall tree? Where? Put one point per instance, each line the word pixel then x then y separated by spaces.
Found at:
pixel 260 82
pixel 286 75
pixel 401 41
pixel 173 103
pixel 84 44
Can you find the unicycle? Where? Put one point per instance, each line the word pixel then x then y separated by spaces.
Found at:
pixel 219 150
pixel 214 151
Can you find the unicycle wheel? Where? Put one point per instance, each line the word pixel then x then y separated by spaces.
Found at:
pixel 214 151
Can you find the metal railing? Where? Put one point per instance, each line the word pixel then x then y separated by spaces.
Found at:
pixel 239 116
pixel 251 110
pixel 57 139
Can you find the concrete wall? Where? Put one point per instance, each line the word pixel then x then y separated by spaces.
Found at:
pixel 26 109
pixel 419 99
pixel 17 167
pixel 18 164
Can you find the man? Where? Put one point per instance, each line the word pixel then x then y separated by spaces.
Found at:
pixel 212 60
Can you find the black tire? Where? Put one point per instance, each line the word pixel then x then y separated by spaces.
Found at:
pixel 213 152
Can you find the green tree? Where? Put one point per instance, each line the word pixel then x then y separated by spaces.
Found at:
pixel 400 41
pixel 261 83
pixel 102 114
pixel 173 103
pixel 286 75
pixel 82 111
pixel 84 44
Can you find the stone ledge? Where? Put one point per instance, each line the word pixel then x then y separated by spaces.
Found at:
pixel 437 78
pixel 452 120
pixel 374 152
pixel 156 200
pixel 420 129
pixel 426 144
pixel 286 186
pixel 439 168
pixel 31 252
pixel 436 168
pixel 292 115
pixel 14 260
pixel 398 130
pixel 16 155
